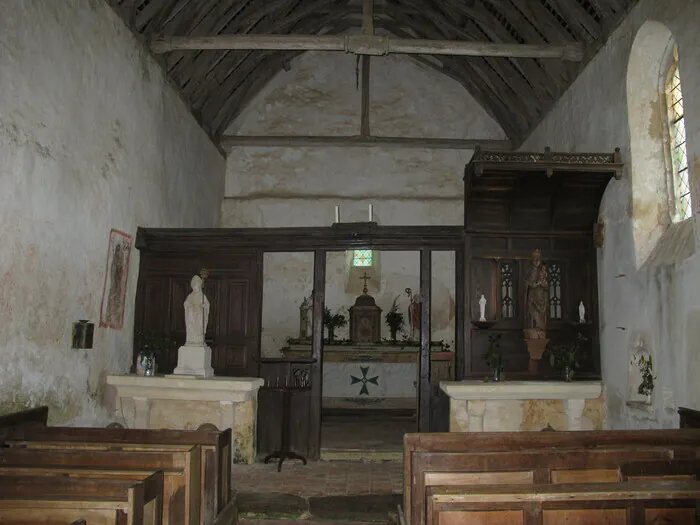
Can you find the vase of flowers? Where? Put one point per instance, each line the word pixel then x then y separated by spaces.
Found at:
pixel 152 346
pixel 332 321
pixel 394 319
pixel 494 357
pixel 565 357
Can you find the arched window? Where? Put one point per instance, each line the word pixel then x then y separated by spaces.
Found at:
pixel 362 258
pixel 676 129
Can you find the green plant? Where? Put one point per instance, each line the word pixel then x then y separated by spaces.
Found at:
pixel 154 344
pixel 566 354
pixel 333 321
pixel 493 355
pixel 646 387
pixel 394 319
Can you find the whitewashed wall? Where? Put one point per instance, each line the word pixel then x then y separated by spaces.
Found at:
pixel 660 305
pixel 301 187
pixel 91 138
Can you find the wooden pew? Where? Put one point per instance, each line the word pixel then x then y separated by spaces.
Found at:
pixel 29 419
pixel 432 459
pixel 180 465
pixel 689 418
pixel 672 469
pixel 215 446
pixel 634 503
pixel 46 500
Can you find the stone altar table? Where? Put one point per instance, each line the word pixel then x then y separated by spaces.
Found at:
pixel 185 404
pixel 510 406
pixel 374 376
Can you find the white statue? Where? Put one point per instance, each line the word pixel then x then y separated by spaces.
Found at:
pixel 482 309
pixel 581 313
pixel 194 358
pixel 196 314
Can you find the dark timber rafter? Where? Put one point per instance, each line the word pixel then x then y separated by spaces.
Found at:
pixel 496 49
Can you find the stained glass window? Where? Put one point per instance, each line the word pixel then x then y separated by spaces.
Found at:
pixel 676 127
pixel 554 276
pixel 507 294
pixel 362 258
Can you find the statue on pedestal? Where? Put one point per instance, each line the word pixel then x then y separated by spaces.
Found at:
pixel 414 314
pixel 194 358
pixel 536 294
pixel 196 313
pixel 536 287
pixel 304 308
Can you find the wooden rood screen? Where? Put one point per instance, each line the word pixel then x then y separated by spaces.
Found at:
pixel 528 458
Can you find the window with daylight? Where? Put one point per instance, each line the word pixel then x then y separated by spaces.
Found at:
pixel 554 277
pixel 507 292
pixel 362 258
pixel 676 128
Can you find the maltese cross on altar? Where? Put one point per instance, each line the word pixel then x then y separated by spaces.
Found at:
pixel 364 380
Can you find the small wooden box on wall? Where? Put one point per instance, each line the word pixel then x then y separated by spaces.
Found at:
pixel 365 320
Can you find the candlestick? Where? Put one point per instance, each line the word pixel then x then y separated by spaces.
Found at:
pixel 337 214
pixel 370 213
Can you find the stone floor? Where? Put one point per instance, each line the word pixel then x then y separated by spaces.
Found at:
pixel 320 478
pixel 365 434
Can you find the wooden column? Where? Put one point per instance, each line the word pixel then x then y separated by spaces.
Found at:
pixel 466 357
pixel 319 298
pixel 460 314
pixel 424 392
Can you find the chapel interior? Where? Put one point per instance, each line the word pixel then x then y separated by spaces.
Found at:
pixel 403 261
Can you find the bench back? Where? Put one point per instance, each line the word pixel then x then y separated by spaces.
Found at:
pixel 610 503
pixel 529 458
pixel 32 418
pixel 215 445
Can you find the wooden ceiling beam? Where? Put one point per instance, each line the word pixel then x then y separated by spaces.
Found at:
pixel 579 19
pixel 360 141
pixel 379 45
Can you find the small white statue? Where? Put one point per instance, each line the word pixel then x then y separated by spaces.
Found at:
pixel 482 309
pixel 196 314
pixel 581 313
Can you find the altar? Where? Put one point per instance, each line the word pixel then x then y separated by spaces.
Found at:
pixel 379 376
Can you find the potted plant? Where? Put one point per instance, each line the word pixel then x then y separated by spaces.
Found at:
pixel 494 357
pixel 564 357
pixel 394 319
pixel 152 346
pixel 332 321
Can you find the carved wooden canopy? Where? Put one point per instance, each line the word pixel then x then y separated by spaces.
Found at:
pixel 547 192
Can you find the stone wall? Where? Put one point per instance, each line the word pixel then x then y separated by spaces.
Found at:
pixel 301 186
pixel 91 138
pixel 649 304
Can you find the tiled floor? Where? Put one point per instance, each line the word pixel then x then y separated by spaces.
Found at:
pixel 320 478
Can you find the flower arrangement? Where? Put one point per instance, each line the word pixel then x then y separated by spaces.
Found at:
pixel 333 321
pixel 394 319
pixel 565 356
pixel 644 364
pixel 494 357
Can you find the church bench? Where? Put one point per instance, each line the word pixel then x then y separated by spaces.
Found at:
pixel 529 458
pixel 181 501
pixel 633 502
pixel 215 446
pixel 29 419
pixel 671 469
pixel 59 500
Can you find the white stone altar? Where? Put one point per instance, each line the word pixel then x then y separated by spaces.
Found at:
pixel 186 403
pixel 510 406
pixel 373 376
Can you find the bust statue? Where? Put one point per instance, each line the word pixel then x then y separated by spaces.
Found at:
pixel 536 287
pixel 196 314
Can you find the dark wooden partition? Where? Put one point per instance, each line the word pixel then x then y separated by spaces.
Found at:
pixel 516 203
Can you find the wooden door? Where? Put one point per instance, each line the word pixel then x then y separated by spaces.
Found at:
pixel 233 287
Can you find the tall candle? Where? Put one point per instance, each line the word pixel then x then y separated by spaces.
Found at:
pixel 337 214
pixel 370 213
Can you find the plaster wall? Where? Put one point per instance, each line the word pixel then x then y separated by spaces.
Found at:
pixel 91 138
pixel 301 186
pixel 655 307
